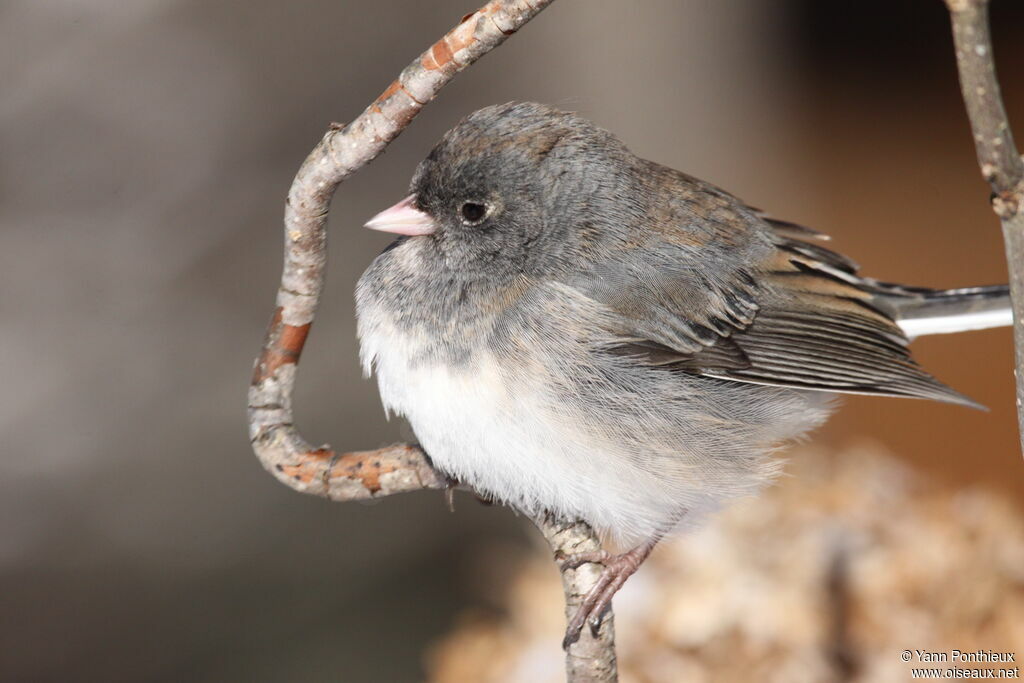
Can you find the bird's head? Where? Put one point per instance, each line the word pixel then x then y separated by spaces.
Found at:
pixel 517 188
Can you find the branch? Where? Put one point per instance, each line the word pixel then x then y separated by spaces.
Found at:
pixel 342 151
pixel 396 469
pixel 592 657
pixel 1000 162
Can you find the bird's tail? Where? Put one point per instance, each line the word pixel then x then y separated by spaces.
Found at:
pixel 920 311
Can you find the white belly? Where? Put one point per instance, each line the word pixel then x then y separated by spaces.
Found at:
pixel 483 428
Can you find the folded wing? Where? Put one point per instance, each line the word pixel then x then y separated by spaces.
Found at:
pixel 798 315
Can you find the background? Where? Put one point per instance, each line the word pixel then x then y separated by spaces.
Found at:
pixel 147 150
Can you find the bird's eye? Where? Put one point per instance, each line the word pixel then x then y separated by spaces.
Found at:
pixel 473 213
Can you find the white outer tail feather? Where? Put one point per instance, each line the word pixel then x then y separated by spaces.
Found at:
pixel 961 322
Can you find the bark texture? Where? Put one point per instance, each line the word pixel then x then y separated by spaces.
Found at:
pixel 592 657
pixel 1000 162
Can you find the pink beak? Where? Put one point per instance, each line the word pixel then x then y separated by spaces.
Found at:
pixel 403 219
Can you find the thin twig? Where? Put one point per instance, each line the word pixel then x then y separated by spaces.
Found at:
pixel 592 657
pixel 1000 162
pixel 383 472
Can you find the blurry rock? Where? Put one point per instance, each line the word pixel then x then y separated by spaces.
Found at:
pixel 830 575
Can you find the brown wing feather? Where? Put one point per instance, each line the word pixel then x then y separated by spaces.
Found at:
pixel 821 327
pixel 802 318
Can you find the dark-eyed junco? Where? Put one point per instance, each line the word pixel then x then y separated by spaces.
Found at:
pixel 574 330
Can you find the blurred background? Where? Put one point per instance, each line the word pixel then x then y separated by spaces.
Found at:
pixel 147 147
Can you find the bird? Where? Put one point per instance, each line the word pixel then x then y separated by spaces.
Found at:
pixel 574 331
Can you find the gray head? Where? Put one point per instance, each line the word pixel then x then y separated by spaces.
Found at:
pixel 517 188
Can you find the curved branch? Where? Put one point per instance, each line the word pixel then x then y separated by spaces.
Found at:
pixel 342 151
pixel 1000 162
pixel 395 469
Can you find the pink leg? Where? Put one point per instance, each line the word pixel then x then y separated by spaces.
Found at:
pixel 617 568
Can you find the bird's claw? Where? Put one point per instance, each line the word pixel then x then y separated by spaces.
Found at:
pixel 577 560
pixel 598 600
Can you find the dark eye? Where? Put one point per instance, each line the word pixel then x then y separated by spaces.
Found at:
pixel 473 213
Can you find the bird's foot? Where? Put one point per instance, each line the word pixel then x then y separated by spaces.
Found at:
pixel 597 601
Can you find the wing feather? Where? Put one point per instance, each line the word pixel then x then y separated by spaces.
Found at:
pixel 796 315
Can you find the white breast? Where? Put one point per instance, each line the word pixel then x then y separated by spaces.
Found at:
pixel 485 429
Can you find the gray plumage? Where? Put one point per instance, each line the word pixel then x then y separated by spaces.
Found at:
pixel 605 338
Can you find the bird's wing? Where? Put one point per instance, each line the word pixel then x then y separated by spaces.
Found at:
pixel 797 315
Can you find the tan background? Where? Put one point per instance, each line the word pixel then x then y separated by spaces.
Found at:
pixel 147 148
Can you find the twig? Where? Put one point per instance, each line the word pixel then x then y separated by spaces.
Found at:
pixel 592 657
pixel 375 474
pixel 1000 162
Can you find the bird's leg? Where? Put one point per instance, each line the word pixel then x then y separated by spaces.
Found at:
pixel 617 568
